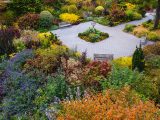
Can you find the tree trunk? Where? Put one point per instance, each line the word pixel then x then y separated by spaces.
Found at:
pixel 157 16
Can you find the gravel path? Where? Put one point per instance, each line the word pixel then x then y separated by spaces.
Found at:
pixel 119 43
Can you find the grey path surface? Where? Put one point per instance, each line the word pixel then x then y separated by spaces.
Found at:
pixel 119 43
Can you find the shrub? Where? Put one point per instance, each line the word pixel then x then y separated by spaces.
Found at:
pixel 20 90
pixel 50 9
pixel 153 49
pixel 30 39
pixel 9 17
pixel 70 18
pixel 70 8
pixel 124 61
pixel 116 15
pixel 114 104
pixel 46 19
pixel 47 39
pixel 138 61
pixel 129 28
pixel 22 6
pixel 95 71
pixel 19 44
pixel 129 14
pixel 132 15
pixel 153 36
pixel 153 61
pixel 47 60
pixel 55 87
pixel 99 10
pixel 74 71
pixel 29 21
pixel 103 21
pixel 148 24
pixel 140 31
pixel 137 16
pixel 122 76
pixel 6 39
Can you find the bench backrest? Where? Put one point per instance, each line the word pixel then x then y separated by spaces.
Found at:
pixel 103 57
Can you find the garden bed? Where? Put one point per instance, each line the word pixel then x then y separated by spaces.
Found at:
pixel 93 35
pixel 145 30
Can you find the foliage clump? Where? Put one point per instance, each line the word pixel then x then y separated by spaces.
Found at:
pixel 113 104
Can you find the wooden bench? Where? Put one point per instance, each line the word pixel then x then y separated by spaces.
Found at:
pixel 64 24
pixel 103 57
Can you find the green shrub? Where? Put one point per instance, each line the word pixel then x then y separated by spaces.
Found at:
pixel 129 28
pixel 93 37
pixel 25 6
pixel 70 8
pixel 132 15
pixel 9 17
pixel 122 76
pixel 129 14
pixel 138 61
pixel 55 87
pixel 137 16
pixel 46 19
pixel 153 61
pixel 153 36
pixel 103 20
pixel 148 24
pixel 19 44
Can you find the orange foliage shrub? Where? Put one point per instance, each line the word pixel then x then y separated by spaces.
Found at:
pixel 113 105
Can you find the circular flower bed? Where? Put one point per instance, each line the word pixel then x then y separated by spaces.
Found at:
pixel 93 35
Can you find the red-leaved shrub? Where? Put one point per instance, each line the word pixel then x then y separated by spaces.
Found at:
pixel 29 21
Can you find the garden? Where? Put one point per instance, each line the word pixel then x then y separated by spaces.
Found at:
pixel 41 78
pixel 93 35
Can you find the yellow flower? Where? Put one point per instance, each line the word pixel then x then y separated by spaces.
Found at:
pixel 130 6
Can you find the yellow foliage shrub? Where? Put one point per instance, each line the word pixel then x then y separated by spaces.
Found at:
pixel 140 31
pixel 70 18
pixel 124 61
pixel 42 36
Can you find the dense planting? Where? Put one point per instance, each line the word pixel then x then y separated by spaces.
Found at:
pixel 93 35
pixel 41 78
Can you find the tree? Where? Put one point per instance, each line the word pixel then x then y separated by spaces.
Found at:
pixel 157 19
pixel 138 61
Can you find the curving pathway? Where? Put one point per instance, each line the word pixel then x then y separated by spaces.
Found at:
pixel 119 43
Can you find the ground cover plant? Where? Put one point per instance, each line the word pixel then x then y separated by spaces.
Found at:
pixel 93 35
